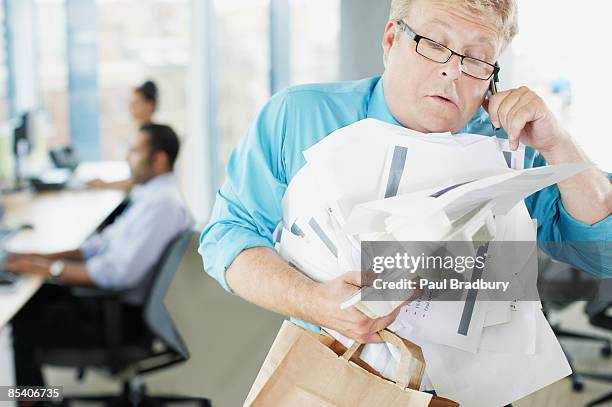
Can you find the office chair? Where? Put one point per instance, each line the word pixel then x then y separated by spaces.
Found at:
pixel 565 284
pixel 597 313
pixel 128 362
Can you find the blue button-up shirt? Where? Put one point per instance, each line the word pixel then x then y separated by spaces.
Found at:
pixel 248 206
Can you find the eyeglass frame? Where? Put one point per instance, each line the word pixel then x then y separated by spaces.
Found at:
pixel 417 38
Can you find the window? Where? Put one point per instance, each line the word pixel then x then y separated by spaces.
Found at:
pixel 243 56
pixel 315 40
pixel 3 68
pixel 140 40
pixel 52 70
pixel 561 57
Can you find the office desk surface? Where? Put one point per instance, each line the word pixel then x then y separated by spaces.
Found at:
pixel 61 220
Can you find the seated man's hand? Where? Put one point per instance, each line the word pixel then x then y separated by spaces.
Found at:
pixel 27 264
pixel 41 256
pixel 96 183
pixel 349 322
pixel 124 185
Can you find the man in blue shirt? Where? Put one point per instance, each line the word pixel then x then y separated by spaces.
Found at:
pixel 440 58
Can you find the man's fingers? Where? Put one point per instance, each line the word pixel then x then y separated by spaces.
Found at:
pixel 19 264
pixel 383 322
pixel 507 104
pixel 12 265
pixel 360 278
pixel 368 277
pixel 500 103
pixel 492 105
pixel 352 277
pixel 523 116
pixel 374 338
pixel 518 117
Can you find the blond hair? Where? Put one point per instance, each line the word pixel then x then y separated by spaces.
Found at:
pixel 505 10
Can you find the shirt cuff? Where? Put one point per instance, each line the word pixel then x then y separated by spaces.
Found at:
pixel 575 230
pixel 99 271
pixel 217 256
pixel 91 246
pixel 304 324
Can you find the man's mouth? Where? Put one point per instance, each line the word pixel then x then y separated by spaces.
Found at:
pixel 444 100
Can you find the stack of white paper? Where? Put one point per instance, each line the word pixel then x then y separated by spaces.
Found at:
pixel 376 181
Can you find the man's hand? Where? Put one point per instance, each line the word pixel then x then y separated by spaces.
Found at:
pixel 47 256
pixel 349 322
pixel 586 196
pixel 75 272
pixel 261 276
pixel 124 185
pixel 96 183
pixel 28 264
pixel 525 118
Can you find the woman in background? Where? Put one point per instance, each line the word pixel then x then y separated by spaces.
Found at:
pixel 143 104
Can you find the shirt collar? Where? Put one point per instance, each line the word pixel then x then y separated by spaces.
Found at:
pixel 481 124
pixel 377 106
pixel 153 185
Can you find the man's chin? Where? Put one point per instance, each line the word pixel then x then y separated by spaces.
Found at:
pixel 429 121
pixel 438 126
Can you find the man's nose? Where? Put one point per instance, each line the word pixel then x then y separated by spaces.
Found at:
pixel 452 68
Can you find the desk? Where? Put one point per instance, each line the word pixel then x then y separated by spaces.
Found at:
pixel 62 221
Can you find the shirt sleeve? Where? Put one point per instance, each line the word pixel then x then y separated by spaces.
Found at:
pixel 248 205
pixel 567 239
pixel 126 261
pixel 93 245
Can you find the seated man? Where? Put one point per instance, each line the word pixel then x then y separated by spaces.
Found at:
pixel 120 257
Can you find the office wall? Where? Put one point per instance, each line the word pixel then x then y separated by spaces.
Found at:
pixel 361 30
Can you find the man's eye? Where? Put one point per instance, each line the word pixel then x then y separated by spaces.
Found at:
pixel 435 46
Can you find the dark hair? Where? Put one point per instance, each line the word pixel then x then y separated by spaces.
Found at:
pixel 162 138
pixel 148 90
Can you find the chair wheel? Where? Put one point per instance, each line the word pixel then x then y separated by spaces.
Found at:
pixel 578 386
pixel 606 351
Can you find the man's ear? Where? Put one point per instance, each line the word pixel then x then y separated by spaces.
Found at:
pixel 161 161
pixel 388 39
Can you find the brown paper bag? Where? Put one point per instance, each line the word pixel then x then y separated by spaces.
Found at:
pixel 307 369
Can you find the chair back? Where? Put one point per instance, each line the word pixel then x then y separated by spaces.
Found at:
pixel 156 315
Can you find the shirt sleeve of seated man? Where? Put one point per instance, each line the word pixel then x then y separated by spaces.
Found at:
pixel 128 249
pixel 93 245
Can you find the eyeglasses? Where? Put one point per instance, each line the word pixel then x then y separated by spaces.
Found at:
pixel 434 51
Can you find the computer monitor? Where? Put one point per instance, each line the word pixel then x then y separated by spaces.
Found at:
pixel 22 144
pixel 1 207
pixel 22 141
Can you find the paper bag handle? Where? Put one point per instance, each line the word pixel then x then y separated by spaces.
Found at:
pixel 408 350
